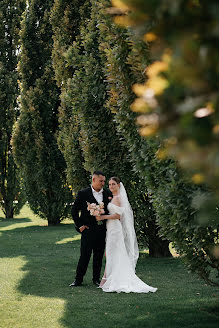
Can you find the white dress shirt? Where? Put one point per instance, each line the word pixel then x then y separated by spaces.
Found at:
pixel 98 195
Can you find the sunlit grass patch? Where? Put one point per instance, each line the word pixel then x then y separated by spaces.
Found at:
pixel 37 264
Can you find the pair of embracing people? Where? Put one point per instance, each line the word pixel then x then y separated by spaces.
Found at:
pixel 113 230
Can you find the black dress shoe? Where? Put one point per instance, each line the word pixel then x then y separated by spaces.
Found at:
pixel 96 282
pixel 75 283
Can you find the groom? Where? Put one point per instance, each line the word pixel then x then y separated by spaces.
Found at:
pixel 93 234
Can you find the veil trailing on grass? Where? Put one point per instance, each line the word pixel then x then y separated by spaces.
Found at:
pixel 127 221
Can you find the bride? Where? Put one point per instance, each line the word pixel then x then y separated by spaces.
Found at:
pixel 121 245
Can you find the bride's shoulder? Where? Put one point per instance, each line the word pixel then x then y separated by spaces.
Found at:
pixel 117 200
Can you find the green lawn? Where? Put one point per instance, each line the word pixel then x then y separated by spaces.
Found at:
pixel 38 262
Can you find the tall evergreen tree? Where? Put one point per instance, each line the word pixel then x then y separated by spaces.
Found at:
pixel 10 190
pixel 118 49
pixel 41 163
pixel 170 191
pixel 103 147
pixel 66 18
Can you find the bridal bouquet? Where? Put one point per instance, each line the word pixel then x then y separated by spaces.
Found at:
pixel 96 209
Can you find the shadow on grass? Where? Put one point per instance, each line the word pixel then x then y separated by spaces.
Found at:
pixel 51 255
pixel 7 222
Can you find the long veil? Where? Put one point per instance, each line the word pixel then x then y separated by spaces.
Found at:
pixel 127 221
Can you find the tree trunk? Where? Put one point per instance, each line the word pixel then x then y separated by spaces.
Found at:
pixel 9 211
pixel 157 246
pixel 53 221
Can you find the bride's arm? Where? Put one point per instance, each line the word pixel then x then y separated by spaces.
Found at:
pixel 116 201
pixel 108 217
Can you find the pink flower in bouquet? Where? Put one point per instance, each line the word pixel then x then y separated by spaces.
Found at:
pixel 96 209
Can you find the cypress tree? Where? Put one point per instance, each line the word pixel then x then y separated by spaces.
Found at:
pixel 85 96
pixel 103 147
pixel 11 198
pixel 66 18
pixel 98 135
pixel 41 163
pixel 123 66
pixel 171 193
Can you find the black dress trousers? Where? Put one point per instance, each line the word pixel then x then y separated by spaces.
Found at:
pixel 92 240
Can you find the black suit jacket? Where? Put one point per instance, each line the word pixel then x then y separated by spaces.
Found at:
pixel 80 213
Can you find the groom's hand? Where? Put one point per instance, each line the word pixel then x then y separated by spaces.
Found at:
pixel 83 227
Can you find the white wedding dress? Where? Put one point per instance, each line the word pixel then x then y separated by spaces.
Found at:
pixel 120 259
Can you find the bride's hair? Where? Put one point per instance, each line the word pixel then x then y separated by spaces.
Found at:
pixel 116 179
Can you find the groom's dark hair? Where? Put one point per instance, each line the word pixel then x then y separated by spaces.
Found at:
pixel 98 173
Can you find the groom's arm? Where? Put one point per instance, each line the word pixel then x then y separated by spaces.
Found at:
pixel 76 208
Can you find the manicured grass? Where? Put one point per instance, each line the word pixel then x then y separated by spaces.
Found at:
pixel 37 263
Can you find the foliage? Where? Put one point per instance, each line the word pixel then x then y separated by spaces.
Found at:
pixel 179 99
pixel 11 196
pixel 40 162
pixel 66 17
pixel 117 51
pixel 100 145
pixel 175 200
pixel 83 111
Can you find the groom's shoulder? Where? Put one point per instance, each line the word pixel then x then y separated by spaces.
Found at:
pixel 107 191
pixel 84 191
